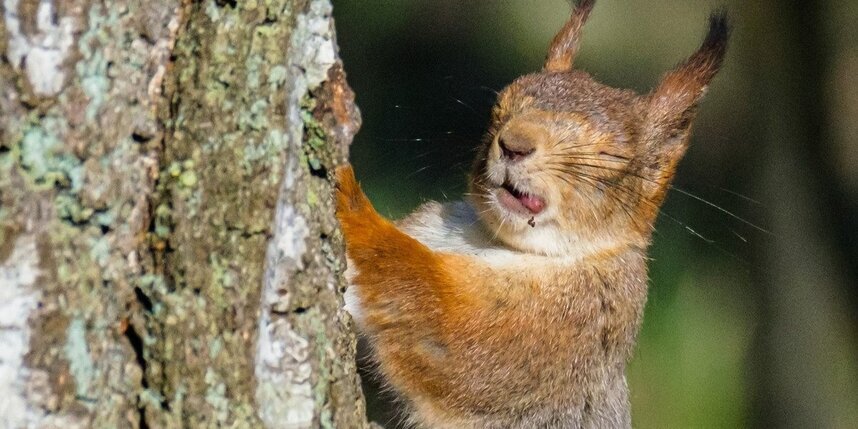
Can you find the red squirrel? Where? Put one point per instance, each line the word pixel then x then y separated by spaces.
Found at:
pixel 519 307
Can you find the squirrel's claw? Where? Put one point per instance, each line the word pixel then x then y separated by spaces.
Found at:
pixel 353 208
pixel 350 197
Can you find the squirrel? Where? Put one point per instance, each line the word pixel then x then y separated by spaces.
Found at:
pixel 520 306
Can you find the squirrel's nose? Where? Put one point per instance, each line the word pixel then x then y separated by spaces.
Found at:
pixel 514 147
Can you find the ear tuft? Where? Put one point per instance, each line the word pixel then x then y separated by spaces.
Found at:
pixel 681 88
pixel 689 80
pixel 706 62
pixel 565 45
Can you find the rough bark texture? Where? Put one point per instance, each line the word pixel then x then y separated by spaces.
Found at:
pixel 168 254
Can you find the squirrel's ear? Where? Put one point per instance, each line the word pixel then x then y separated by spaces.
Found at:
pixel 563 48
pixel 672 102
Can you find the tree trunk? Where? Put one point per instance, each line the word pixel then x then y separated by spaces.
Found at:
pixel 168 251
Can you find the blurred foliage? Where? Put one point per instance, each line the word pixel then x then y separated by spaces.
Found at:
pixel 425 73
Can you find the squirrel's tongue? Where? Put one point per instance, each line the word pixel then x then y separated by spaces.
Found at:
pixel 514 197
pixel 532 203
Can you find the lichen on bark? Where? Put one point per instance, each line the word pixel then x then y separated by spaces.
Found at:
pixel 170 173
pixel 74 181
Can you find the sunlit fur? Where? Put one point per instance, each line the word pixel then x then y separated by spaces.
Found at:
pixel 485 315
pixel 581 166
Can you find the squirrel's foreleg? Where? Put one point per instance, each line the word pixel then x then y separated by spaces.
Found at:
pixel 398 278
pixel 411 297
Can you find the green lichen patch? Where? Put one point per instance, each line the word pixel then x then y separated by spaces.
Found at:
pixel 314 139
pixel 154 213
pixel 218 182
pixel 80 362
pixel 42 155
pixel 74 173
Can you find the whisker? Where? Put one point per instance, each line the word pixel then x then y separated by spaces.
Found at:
pixel 577 146
pixel 593 204
pixel 678 189
pixel 588 156
pixel 744 197
pixel 485 88
pixel 468 106
pixel 686 227
pixel 409 140
pixel 723 210
pixel 424 154
pixel 625 205
pixel 497 231
pixel 592 156
pixel 695 233
pixel 418 171
pixel 608 168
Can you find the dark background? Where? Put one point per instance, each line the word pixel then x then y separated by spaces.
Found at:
pixel 750 319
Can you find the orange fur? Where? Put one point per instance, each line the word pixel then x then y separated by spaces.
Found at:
pixel 474 345
pixel 520 309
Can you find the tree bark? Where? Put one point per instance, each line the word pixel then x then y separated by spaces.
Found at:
pixel 168 251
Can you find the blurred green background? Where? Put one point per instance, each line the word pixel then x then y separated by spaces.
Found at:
pixel 750 320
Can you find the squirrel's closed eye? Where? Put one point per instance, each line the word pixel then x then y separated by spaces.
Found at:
pixel 610 156
pixel 562 203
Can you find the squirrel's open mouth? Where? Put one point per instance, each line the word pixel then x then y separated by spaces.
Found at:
pixel 518 201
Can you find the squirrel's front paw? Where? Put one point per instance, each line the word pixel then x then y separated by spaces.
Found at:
pixel 354 211
pixel 350 197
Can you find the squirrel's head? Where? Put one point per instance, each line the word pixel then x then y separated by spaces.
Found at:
pixel 570 165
